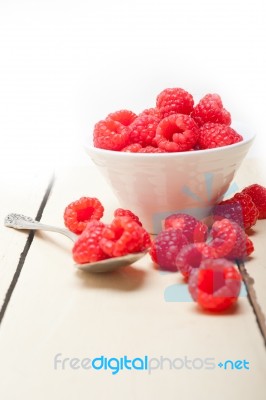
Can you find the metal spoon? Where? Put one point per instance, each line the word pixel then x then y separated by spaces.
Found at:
pixel 19 221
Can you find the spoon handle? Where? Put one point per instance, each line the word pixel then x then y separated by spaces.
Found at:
pixel 20 221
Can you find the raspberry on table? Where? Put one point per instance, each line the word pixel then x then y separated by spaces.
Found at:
pixel 258 196
pixel 210 109
pixel 193 229
pixel 78 213
pixel 132 148
pixel 215 285
pixel 124 117
pixel 174 101
pixel 212 135
pixel 190 257
pixel 165 248
pixel 121 212
pixel 110 135
pixel 86 249
pixel 177 132
pixel 143 130
pixel 240 208
pixel 229 240
pixel 123 236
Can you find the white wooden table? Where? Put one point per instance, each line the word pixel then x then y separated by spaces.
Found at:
pixel 48 308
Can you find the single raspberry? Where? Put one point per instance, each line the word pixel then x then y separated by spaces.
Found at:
pixel 86 249
pixel 165 248
pixel 155 112
pixel 143 130
pixel 240 208
pixel 258 195
pixel 174 101
pixel 132 148
pixel 210 109
pixel 120 212
pixel 177 133
pixel 78 213
pixel 122 236
pixel 216 285
pixel 151 149
pixel 190 257
pixel 124 117
pixel 193 229
pixel 110 135
pixel 213 135
pixel 229 240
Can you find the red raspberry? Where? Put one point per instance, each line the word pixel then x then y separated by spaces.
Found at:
pixel 177 133
pixel 143 130
pixel 190 257
pixel 120 212
pixel 86 249
pixel 151 149
pixel 258 195
pixel 110 135
pixel 151 111
pixel 165 248
pixel 229 241
pixel 210 109
pixel 240 208
pixel 213 135
pixel 122 236
pixel 216 285
pixel 125 117
pixel 194 230
pixel 132 148
pixel 174 101
pixel 80 212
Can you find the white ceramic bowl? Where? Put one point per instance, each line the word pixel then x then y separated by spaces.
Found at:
pixel 154 186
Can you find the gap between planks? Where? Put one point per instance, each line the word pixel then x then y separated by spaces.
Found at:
pixel 25 251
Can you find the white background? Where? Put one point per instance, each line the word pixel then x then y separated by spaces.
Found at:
pixel 65 64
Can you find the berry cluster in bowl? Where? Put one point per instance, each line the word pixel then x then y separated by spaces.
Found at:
pixel 176 124
pixel 204 256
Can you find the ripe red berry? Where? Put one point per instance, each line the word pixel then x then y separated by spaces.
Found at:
pixel 210 109
pixel 86 249
pixel 78 213
pixel 122 236
pixel 216 285
pixel 110 135
pixel 151 111
pixel 258 195
pixel 193 229
pixel 121 212
pixel 229 240
pixel 151 149
pixel 177 132
pixel 165 248
pixel 240 209
pixel 143 130
pixel 190 257
pixel 213 135
pixel 174 101
pixel 124 117
pixel 132 148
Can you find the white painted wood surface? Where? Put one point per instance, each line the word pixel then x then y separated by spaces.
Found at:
pixel 56 309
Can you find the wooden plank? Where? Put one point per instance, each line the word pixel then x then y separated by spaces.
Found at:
pixel 23 192
pixel 56 309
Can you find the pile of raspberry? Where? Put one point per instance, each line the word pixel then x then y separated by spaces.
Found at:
pixel 98 241
pixel 175 124
pixel 206 257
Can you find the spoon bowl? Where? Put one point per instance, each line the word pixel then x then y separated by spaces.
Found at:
pixel 20 221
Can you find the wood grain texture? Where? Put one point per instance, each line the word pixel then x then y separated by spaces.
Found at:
pixel 57 309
